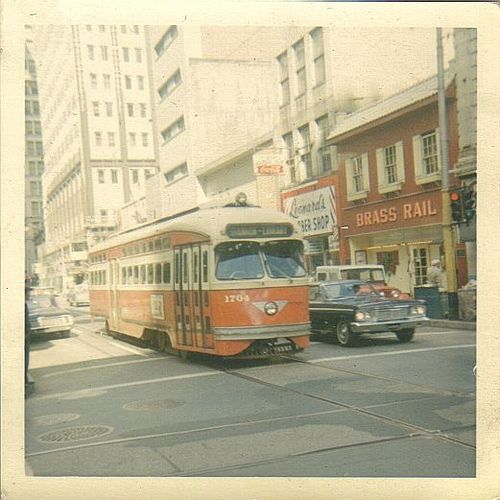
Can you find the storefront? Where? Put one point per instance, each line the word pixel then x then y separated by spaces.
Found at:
pixel 314 208
pixel 404 234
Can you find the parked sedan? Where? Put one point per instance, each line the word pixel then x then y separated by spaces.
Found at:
pixel 347 309
pixel 46 318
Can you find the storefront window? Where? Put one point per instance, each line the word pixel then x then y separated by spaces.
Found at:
pixel 420 262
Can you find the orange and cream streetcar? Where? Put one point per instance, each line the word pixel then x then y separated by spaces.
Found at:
pixel 226 281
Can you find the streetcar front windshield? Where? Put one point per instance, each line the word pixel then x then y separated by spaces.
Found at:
pixel 284 259
pixel 238 260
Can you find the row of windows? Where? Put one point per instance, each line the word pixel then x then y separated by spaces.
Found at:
pixel 298 49
pixel 166 40
pixel 176 173
pixel 98 277
pixel 138 109
pixel 146 274
pixel 173 130
pixel 34 148
pixel 106 81
pixel 123 28
pixel 31 108
pixel 32 128
pixel 113 175
pixel 390 166
pixel 35 168
pixel 132 139
pixel 126 51
pixel 35 188
pixel 30 88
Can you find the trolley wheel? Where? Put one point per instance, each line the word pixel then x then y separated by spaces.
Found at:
pixel 344 335
pixel 109 332
pixel 405 335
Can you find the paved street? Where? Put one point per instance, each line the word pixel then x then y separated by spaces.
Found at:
pixel 103 407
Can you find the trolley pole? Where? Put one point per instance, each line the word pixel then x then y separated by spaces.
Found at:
pixel 448 234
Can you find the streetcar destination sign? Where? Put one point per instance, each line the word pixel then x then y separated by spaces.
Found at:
pixel 258 230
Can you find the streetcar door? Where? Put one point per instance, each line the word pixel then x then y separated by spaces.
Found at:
pixel 183 299
pixel 199 295
pixel 113 286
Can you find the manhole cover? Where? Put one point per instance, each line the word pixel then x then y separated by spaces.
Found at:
pixel 75 434
pixel 155 404
pixel 56 418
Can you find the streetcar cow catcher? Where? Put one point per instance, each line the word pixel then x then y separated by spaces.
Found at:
pixel 226 281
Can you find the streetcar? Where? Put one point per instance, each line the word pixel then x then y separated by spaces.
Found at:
pixel 226 281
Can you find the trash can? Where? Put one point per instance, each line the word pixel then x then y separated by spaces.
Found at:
pixel 433 300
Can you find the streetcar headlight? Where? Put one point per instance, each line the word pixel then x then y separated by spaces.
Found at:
pixel 361 316
pixel 418 310
pixel 271 308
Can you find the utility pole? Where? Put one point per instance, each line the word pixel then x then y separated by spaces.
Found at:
pixel 448 234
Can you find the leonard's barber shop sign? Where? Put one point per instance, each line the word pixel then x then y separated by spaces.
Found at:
pixel 314 211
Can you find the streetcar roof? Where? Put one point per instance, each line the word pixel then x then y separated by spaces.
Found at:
pixel 209 222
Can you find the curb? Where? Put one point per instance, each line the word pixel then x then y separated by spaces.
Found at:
pixel 458 325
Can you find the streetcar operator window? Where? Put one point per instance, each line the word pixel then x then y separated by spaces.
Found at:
pixel 238 260
pixel 283 259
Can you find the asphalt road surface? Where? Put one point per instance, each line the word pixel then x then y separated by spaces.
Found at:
pixel 104 407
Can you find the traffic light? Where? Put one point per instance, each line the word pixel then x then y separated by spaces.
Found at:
pixel 469 202
pixel 456 206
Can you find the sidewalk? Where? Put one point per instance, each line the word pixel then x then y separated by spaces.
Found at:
pixel 458 325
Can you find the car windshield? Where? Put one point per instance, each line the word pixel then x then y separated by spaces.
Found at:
pixel 363 273
pixel 39 301
pixel 343 290
pixel 284 259
pixel 238 260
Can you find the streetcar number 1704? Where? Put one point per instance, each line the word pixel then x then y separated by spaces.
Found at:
pixel 236 298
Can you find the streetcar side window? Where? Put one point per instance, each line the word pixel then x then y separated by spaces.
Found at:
pixel 130 278
pixel 143 274
pixel 150 274
pixel 166 272
pixel 124 275
pixel 196 265
pixel 177 268
pixel 157 273
pixel 238 260
pixel 205 266
pixel 136 275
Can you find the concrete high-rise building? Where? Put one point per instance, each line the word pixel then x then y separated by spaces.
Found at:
pixel 33 161
pixel 97 121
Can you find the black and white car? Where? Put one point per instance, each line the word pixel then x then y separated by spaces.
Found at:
pixel 346 309
pixel 46 318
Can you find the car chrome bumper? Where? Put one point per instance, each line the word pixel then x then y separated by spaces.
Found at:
pixel 386 326
pixel 261 332
pixel 41 330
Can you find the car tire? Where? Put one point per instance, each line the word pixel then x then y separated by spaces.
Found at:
pixel 405 335
pixel 344 334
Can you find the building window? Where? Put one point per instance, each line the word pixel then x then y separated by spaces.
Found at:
pixel 98 139
pixel 318 56
pixel 136 29
pixel 170 85
pixel 126 56
pixel 38 128
pixel 39 148
pixel 32 170
pixel 88 27
pixel 135 176
pixel 138 55
pixel 427 157
pixel 420 265
pixel 36 208
pixel 100 176
pixel 166 40
pixel 93 80
pixel 358 183
pixel 123 28
pixel 174 129
pixel 114 176
pixel 27 107
pixel 35 188
pixel 95 106
pixel 390 168
pixel 104 53
pixel 107 81
pixel 176 173
pixel 102 28
pixel 130 109
pixel 90 49
pixel 111 139
pixel 28 128
pixel 30 147
pixel 35 107
pixel 148 174
pixel 128 82
pixel 300 67
pixel 144 139
pixel 131 137
pixel 109 108
pixel 325 160
pixel 143 109
pixel 284 79
pixel 290 156
pixel 390 172
pixel 305 150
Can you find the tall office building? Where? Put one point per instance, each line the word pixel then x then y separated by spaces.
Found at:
pixel 97 121
pixel 33 161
